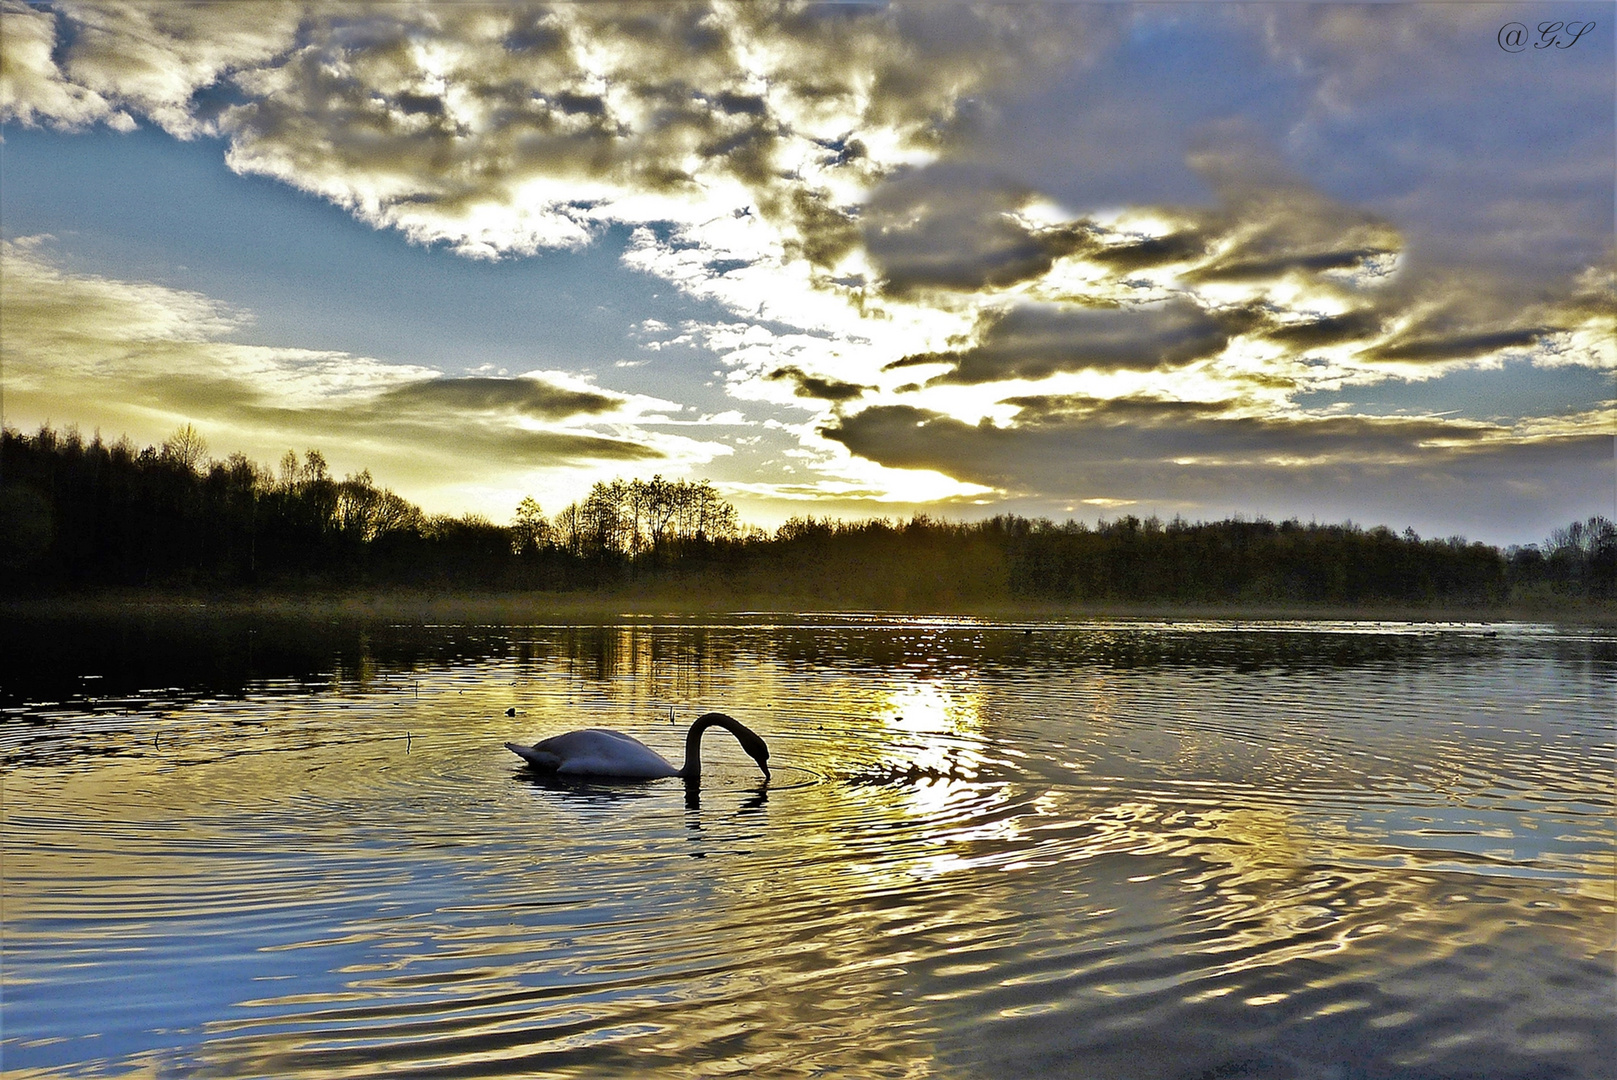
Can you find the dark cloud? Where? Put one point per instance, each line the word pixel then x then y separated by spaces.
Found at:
pixel 1076 446
pixel 1270 265
pixel 549 448
pixel 1198 457
pixel 953 228
pixel 523 396
pixel 1032 341
pixel 463 421
pixel 824 233
pixel 1469 316
pixel 1047 409
pixel 457 439
pixel 919 360
pixel 811 386
pixel 1488 165
pixel 1188 245
pixel 1464 346
pixel 1330 330
pixel 1594 292
pixel 193 393
pixel 461 424
pixel 1270 222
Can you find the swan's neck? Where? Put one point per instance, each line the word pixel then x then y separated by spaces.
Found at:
pixel 692 769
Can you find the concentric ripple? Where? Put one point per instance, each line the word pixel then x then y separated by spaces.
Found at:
pixel 1096 850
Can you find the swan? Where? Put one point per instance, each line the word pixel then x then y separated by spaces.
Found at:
pixel 606 753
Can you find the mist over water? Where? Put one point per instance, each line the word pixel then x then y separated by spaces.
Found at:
pixel 988 850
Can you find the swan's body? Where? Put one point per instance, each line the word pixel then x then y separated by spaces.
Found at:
pixel 605 753
pixel 596 752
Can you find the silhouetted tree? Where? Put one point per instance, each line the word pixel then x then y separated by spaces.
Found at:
pixel 530 529
pixel 77 514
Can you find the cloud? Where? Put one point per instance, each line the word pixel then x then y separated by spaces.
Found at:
pixel 141 359
pixel 951 228
pixel 161 60
pixel 1397 209
pixel 780 151
pixel 1477 316
pixel 1585 321
pixel 1188 244
pixel 1206 459
pixel 522 397
pixel 809 386
pixel 1272 223
pixel 1303 335
pixel 1032 341
pixel 512 129
pixel 747 134
pixel 417 448
pixel 1486 161
pixel 32 89
pixel 1461 346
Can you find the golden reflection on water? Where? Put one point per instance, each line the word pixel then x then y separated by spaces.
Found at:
pixel 1064 862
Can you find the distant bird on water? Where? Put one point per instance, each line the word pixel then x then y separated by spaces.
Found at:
pixel 612 754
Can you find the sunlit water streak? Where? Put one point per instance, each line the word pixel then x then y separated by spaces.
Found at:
pixel 1098 850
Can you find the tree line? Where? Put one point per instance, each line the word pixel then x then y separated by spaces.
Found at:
pixel 79 515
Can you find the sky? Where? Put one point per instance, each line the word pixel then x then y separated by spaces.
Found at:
pixel 1313 260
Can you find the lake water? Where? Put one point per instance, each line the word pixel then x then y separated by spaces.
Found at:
pixel 1111 849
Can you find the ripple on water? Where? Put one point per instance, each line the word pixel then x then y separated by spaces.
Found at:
pixel 1094 850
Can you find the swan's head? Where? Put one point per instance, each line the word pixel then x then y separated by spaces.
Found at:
pixel 755 748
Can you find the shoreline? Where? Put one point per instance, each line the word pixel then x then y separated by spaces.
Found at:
pixel 593 607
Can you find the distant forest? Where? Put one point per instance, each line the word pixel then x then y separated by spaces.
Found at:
pixel 78 516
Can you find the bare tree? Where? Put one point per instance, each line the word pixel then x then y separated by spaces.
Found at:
pixel 289 469
pixel 529 529
pixel 186 448
pixel 569 530
pixel 605 525
pixel 314 467
pixel 645 517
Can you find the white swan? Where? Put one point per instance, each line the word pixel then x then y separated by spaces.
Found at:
pixel 605 753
